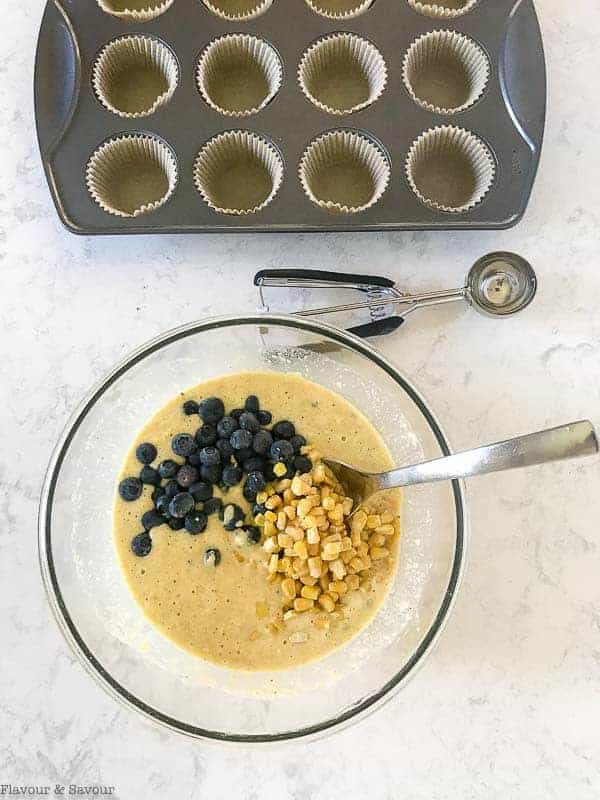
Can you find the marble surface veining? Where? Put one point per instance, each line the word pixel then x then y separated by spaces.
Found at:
pixel 508 705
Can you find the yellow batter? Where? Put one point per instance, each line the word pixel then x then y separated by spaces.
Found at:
pixel 222 613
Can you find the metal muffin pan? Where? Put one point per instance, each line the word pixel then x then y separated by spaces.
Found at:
pixel 72 123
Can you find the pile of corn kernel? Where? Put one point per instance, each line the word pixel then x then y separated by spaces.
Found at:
pixel 321 547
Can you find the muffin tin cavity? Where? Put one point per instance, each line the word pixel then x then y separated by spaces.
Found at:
pixel 444 9
pixel 238 10
pixel 339 9
pixel 135 10
pixel 238 75
pixel 445 72
pixel 132 175
pixel 342 73
pixel 450 169
pixel 344 172
pixel 238 172
pixel 134 75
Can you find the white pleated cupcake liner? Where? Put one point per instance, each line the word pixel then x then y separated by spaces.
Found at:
pixel 334 148
pixel 440 11
pixel 239 48
pixel 448 140
pixel 226 149
pixel 341 48
pixel 237 11
pixel 120 57
pixel 153 10
pixel 327 9
pixel 441 47
pixel 116 157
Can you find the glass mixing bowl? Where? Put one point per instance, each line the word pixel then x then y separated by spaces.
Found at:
pixel 107 630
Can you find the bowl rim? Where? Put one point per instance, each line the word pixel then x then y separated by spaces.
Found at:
pixel 68 628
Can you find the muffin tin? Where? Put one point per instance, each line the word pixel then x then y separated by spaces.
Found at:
pixel 396 114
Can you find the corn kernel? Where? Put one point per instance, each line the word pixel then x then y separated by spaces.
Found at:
pixel 357 564
pixel 313 536
pixel 373 521
pixel 272 503
pixel 385 530
pixel 338 569
pixel 328 503
pixel 347 504
pixel 359 520
pixel 326 602
pixel 308 580
pixel 377 553
pixel 298 487
pixel 310 592
pixel 262 497
pixel 303 604
pixel 339 587
pixel 314 566
pixel 301 550
pixel 288 587
pixel 330 551
pixel 281 523
pixel 283 540
pixel 274 563
pixel 290 512
pixel 279 469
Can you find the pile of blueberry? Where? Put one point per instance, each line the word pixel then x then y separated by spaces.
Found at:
pixel 226 450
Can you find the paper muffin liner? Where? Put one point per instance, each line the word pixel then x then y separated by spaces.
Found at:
pixel 447 53
pixel 335 71
pixel 230 169
pixel 467 158
pixel 443 9
pixel 238 10
pixel 248 55
pixel 123 59
pixel 135 10
pixel 140 163
pixel 336 156
pixel 334 9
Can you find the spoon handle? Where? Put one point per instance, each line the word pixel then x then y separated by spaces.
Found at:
pixel 568 441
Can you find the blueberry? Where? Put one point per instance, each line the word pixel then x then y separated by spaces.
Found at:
pixel 171 489
pixel 211 474
pixel 252 403
pixel 162 506
pixel 241 439
pixel 213 506
pixel 157 494
pixel 149 475
pixel 232 517
pixel 243 455
pixel 187 475
pixel 196 522
pixel 256 481
pixel 258 508
pixel 146 453
pixel 249 493
pixel 227 426
pixel 284 430
pixel 210 456
pixel 194 459
pixel 206 435
pixel 264 417
pixel 201 491
pixel 130 489
pixel 212 557
pixel 262 442
pixel 253 465
pixel 151 519
pixel 232 475
pixel 282 450
pixel 248 422
pixel 253 534
pixel 297 443
pixel 302 464
pixel 142 544
pixel 181 505
pixel 183 444
pixel 175 524
pixel 190 407
pixel 225 449
pixel 268 473
pixel 237 413
pixel 168 468
pixel 212 410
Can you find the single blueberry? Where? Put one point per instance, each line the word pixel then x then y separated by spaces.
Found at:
pixel 201 491
pixel 225 449
pixel 284 429
pixel 157 494
pixel 243 455
pixel 255 482
pixel 142 544
pixel 210 456
pixel 253 534
pixel 162 506
pixel 264 417
pixel 252 403
pixel 149 475
pixel 249 493
pixel 146 453
pixel 254 464
pixel 212 410
pixel 227 426
pixel 212 557
pixel 196 522
pixel 262 442
pixel 183 444
pixel 232 475
pixel 258 508
pixel 211 474
pixel 213 506
pixel 187 475
pixel 151 519
pixel 190 407
pixel 237 413
pixel 168 468
pixel 231 516
pixel 130 489
pixel 282 450
pixel 248 422
pixel 171 489
pixel 194 459
pixel 302 464
pixel 206 435
pixel 175 524
pixel 297 443
pixel 181 505
pixel 241 439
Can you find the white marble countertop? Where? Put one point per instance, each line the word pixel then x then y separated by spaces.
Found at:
pixel 508 705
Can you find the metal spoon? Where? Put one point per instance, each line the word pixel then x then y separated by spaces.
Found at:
pixel 574 440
